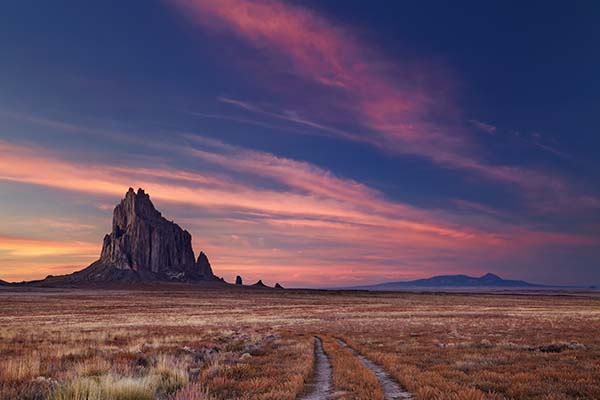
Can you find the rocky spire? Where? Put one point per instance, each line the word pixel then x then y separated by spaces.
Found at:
pixel 238 280
pixel 203 265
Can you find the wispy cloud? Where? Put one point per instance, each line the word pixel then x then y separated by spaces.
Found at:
pixel 491 129
pixel 400 107
pixel 535 139
pixel 396 113
pixel 295 117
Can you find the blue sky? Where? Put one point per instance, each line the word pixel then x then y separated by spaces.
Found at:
pixel 306 142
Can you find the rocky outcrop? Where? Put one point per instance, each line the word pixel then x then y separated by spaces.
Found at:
pixel 204 268
pixel 278 286
pixel 144 246
pixel 238 280
pixel 4 283
pixel 260 284
pixel 141 239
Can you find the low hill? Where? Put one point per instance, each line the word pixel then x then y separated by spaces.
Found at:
pixel 453 281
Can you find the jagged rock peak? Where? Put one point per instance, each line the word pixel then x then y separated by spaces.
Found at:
pixel 136 205
pixel 238 280
pixel 203 264
pixel 141 239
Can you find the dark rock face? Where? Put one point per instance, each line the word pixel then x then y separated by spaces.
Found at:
pixel 278 286
pixel 204 268
pixel 238 280
pixel 142 239
pixel 144 246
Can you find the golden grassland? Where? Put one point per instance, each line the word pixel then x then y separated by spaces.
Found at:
pixel 351 379
pixel 197 344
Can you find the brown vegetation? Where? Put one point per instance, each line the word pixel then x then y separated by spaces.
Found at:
pixel 351 379
pixel 187 344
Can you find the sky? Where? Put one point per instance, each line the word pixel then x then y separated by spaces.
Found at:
pixel 311 143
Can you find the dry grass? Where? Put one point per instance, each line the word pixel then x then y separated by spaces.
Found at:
pixel 192 392
pixel 275 370
pixel 489 347
pixel 205 344
pixel 351 379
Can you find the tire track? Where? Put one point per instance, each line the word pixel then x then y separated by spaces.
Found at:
pixel 391 388
pixel 319 388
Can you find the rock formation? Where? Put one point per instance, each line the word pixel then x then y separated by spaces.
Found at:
pixel 144 246
pixel 141 239
pixel 278 286
pixel 204 268
pixel 238 280
pixel 260 284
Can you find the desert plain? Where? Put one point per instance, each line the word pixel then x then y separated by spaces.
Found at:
pixel 191 342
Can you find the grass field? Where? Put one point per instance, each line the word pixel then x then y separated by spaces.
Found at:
pixel 188 344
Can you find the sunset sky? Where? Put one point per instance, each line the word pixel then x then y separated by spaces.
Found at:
pixel 312 143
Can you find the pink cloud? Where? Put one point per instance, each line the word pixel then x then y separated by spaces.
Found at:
pixel 330 55
pixel 401 107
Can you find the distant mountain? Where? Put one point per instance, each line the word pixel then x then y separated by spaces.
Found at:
pixel 453 281
pixel 142 247
pixel 4 283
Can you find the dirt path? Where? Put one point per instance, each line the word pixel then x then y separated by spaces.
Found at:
pixel 319 388
pixel 391 388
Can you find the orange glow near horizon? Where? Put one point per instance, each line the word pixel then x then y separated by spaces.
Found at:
pixel 30 259
pixel 25 247
pixel 313 232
